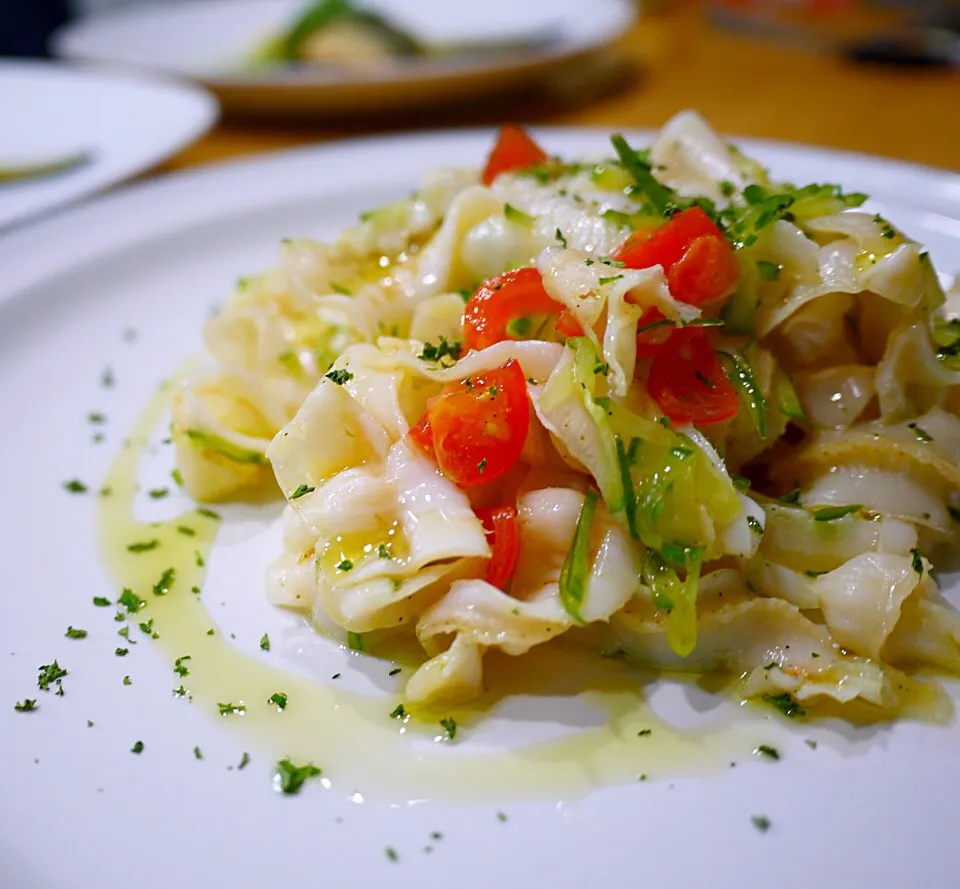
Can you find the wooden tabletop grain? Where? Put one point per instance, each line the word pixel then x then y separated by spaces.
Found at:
pixel 778 89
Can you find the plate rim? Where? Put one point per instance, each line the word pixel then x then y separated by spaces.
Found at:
pixel 200 103
pixel 262 168
pixel 623 16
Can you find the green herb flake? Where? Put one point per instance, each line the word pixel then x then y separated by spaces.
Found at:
pixel 186 531
pixel 164 584
pixel 920 432
pixel 355 641
pixel 502 817
pixel 48 674
pixel 917 561
pixel 769 271
pixel 395 670
pixel 265 642
pixel 450 726
pixel 398 712
pixel 609 280
pixel 785 703
pixel 146 626
pixel 137 748
pixel 278 698
pixel 209 513
pixel 143 546
pixel 121 652
pixel 130 600
pixel 392 853
pixel 75 486
pixel 658 195
pixel 832 513
pixel 761 822
pixel 107 378
pixel 127 680
pixel 301 491
pixel 198 558
pixel 518 216
pixel 289 778
pixel 558 236
pixel 177 477
pixel 180 668
pixel 339 376
pixel 767 751
pixel 791 496
pixel 26 705
pixel 197 753
pixel 383 552
pixel 345 565
pixel 727 188
pixel 754 525
pixel 482 465
pixel 102 602
pixel 232 709
pixel 339 288
pixel 444 353
pixel 158 493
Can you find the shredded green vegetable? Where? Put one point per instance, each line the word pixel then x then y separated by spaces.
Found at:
pixel 740 374
pixel 573 575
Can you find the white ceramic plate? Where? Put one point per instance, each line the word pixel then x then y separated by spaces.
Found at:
pixel 124 283
pixel 209 40
pixel 127 123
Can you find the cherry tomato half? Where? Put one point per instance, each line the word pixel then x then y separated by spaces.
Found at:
pixel 500 523
pixel 478 426
pixel 514 150
pixel 515 294
pixel 688 383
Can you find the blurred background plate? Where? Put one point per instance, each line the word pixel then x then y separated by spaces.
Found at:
pixel 89 129
pixel 211 41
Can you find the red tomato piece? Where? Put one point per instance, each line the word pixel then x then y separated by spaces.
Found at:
pixel 479 425
pixel 500 523
pixel 514 150
pixel 422 435
pixel 707 270
pixel 687 381
pixel 516 294
pixel 666 245
pixel 567 324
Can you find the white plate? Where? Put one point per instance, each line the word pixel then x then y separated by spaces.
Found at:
pixel 127 123
pixel 125 282
pixel 209 40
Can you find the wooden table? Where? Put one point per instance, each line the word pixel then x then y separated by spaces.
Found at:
pixel 677 59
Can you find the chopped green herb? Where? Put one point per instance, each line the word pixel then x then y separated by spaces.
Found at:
pixel 450 726
pixel 73 633
pixel 244 760
pixel 339 376
pixel 394 671
pixel 290 778
pixel 740 482
pixel 398 712
pixel 211 631
pixel 339 288
pixel 127 680
pixel 740 374
pixel 121 652
pixel 768 751
pixel 501 817
pixel 278 698
pixel 209 513
pixel 163 585
pixel 198 558
pixel 769 271
pixel 106 378
pixel 727 188
pixel 920 432
pixel 785 703
pixel 559 237
pixel 518 216
pixel 392 853
pixel 658 195
pixel 143 546
pixel 197 753
pixel 137 748
pixel 231 709
pixel 345 565
pixel 791 496
pixel 754 525
pixel 75 486
pixel 130 600
pixel 609 280
pixel 831 513
pixel 355 641
pixel 177 476
pixel 158 493
pixel 761 822
pixel 48 674
pixel 482 465
pixel 102 602
pixel 811 743
pixel 265 642
pixel 383 552
pixel 146 626
pixel 26 705
pixel 301 490
pixel 644 732
pixel 917 561
pixel 444 350
pixel 180 668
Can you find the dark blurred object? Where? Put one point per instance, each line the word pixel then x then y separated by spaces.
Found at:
pixel 925 48
pixel 25 25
